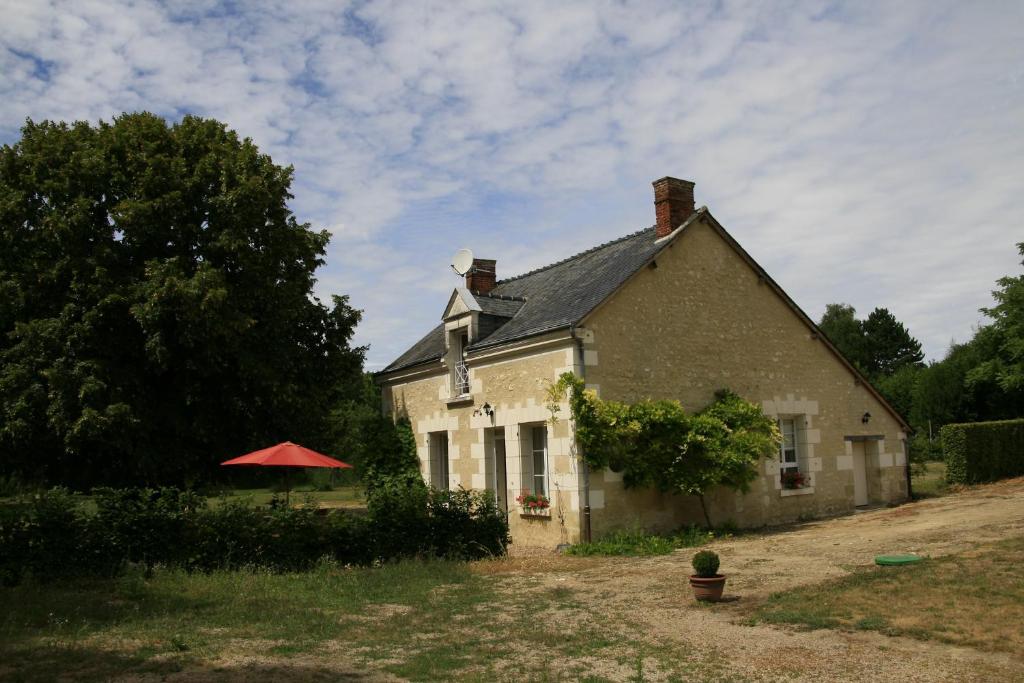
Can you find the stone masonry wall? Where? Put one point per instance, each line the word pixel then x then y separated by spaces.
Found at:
pixel 516 389
pixel 703 320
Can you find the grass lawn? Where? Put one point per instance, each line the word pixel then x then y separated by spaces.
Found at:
pixel 422 621
pixel 929 480
pixel 341 496
pixel 974 599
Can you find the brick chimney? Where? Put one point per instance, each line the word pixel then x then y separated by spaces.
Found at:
pixel 482 277
pixel 673 203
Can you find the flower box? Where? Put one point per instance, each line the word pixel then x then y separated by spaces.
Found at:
pixel 534 505
pixel 794 479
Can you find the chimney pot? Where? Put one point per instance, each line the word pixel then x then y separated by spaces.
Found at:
pixel 482 277
pixel 673 203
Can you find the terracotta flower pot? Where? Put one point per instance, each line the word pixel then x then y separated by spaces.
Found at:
pixel 708 588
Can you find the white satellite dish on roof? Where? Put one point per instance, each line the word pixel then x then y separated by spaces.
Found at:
pixel 462 261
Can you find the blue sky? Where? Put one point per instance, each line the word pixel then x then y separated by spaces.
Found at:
pixel 869 153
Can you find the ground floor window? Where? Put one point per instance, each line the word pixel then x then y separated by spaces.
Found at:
pixel 788 448
pixel 535 458
pixel 438 451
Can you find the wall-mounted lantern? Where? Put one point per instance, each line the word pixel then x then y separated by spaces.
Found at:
pixel 865 418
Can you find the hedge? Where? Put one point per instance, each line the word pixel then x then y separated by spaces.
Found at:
pixel 49 536
pixel 977 452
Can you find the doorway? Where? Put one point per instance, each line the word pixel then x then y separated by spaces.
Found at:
pixel 497 474
pixel 860 474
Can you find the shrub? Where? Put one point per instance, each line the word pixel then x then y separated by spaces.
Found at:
pixel 466 524
pixel 148 524
pixel 49 536
pixel 977 452
pixel 705 563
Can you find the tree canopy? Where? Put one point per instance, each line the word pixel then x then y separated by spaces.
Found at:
pixel 1005 335
pixel 980 379
pixel 879 346
pixel 156 304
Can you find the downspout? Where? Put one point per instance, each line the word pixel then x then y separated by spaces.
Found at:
pixel 906 458
pixel 585 468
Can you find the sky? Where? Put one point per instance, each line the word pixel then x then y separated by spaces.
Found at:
pixel 866 153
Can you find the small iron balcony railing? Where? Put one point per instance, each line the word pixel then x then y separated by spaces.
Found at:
pixel 461 379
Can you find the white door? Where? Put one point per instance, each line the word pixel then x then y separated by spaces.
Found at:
pixel 860 475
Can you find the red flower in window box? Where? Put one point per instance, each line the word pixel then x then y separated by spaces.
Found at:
pixel 793 479
pixel 533 501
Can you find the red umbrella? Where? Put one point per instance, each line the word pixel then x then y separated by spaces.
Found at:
pixel 286 454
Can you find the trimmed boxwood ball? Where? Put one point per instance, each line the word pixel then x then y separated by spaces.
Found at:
pixel 705 563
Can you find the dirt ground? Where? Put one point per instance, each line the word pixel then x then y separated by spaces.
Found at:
pixel 758 565
pixel 649 600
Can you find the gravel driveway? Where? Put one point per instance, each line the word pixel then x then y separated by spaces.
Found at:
pixel 653 594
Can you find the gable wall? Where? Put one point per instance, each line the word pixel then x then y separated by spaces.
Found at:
pixel 516 387
pixel 702 320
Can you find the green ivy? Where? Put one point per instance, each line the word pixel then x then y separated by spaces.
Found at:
pixel 656 444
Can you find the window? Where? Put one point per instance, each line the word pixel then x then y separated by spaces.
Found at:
pixel 787 450
pixel 535 458
pixel 460 372
pixel 439 460
pixel 494 465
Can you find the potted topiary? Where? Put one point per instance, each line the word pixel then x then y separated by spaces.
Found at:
pixel 707 582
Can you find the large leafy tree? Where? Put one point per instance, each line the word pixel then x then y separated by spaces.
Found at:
pixel 1005 334
pixel 156 307
pixel 982 379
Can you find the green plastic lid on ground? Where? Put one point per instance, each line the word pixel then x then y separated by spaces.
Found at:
pixel 896 560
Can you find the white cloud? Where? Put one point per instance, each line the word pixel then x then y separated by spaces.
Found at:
pixel 868 153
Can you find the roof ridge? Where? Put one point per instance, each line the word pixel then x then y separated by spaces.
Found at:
pixel 500 297
pixel 574 256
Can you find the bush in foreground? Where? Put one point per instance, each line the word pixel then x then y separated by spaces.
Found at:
pixel 49 535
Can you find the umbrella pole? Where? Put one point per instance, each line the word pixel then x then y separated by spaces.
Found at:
pixel 287 488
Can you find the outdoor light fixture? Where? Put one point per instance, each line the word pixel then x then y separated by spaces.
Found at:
pixel 866 418
pixel 488 410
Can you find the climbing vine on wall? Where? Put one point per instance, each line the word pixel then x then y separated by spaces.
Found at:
pixel 656 444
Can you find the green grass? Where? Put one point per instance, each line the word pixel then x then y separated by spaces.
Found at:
pixel 122 624
pixel 974 599
pixel 928 480
pixel 417 620
pixel 342 496
pixel 640 543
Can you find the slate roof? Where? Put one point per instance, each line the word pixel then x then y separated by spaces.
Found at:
pixel 503 307
pixel 549 298
pixel 431 347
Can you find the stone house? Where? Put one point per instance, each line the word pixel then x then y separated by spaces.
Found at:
pixel 678 310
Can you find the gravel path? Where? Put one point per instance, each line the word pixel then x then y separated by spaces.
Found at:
pixel 654 593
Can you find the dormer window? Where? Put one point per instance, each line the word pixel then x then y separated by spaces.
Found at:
pixel 468 319
pixel 460 373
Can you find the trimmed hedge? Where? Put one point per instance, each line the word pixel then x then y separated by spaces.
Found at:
pixel 977 452
pixel 48 536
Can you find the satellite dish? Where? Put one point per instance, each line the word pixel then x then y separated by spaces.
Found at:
pixel 462 261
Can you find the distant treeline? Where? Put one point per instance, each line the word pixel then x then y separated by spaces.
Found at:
pixel 978 380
